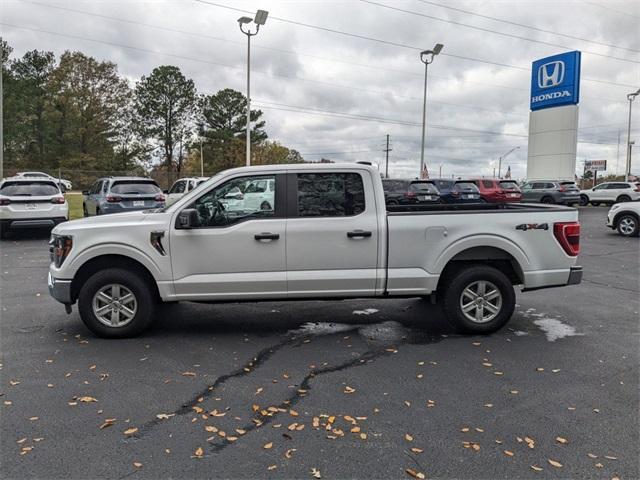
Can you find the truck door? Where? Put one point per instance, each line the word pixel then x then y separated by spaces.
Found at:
pixel 237 250
pixel 332 234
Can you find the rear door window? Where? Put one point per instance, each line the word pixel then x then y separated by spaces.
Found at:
pixel 134 187
pixel 487 183
pixel 178 187
pixel 29 189
pixel 330 194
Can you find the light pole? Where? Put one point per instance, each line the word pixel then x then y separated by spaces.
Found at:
pixel 426 57
pixel 502 158
pixel 631 97
pixel 260 19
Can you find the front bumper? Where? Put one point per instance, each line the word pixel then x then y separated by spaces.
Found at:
pixel 60 289
pixel 16 223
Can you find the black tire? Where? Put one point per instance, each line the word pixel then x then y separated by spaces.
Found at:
pixel 138 286
pixel 265 205
pixel 4 231
pixel 547 200
pixel 468 277
pixel 623 198
pixel 595 204
pixel 584 200
pixel 628 225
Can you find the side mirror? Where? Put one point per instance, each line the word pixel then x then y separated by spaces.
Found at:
pixel 188 218
pixel 85 192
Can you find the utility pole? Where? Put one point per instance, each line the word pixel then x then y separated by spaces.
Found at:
pixel 387 150
pixel 440 171
pixel 201 160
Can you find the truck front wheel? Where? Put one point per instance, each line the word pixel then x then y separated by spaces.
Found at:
pixel 479 299
pixel 116 303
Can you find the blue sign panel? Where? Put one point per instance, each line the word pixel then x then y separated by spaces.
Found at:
pixel 555 81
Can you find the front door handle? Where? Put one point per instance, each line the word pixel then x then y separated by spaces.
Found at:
pixel 359 234
pixel 266 236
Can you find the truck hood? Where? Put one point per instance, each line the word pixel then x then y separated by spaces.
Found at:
pixel 116 221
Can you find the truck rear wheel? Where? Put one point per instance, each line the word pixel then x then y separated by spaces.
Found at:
pixel 116 303
pixel 479 299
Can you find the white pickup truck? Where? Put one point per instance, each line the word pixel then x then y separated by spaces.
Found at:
pixel 325 234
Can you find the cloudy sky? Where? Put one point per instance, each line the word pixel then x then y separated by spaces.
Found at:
pixel 334 77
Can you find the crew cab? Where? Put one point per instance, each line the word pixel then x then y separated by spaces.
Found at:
pixel 329 235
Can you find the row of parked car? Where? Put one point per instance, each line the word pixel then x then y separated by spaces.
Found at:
pixel 412 192
pixel 35 199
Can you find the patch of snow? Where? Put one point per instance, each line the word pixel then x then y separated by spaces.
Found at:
pixel 520 333
pixel 555 329
pixel 366 311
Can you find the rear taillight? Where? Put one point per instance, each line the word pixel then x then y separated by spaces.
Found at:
pixel 5 201
pixel 568 236
pixel 409 194
pixel 637 189
pixel 113 199
pixel 58 200
pixel 159 198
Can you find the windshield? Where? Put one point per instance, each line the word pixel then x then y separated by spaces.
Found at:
pixel 466 186
pixel 509 185
pixel 134 187
pixel 569 185
pixel 29 189
pixel 423 187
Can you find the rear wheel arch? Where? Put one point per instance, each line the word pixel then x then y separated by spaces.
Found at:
pixel 619 215
pixel 491 256
pixel 623 198
pixel 103 262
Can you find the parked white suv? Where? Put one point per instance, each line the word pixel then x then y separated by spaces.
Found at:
pixel 328 235
pixel 610 192
pixel 625 217
pixel 65 183
pixel 31 203
pixel 182 186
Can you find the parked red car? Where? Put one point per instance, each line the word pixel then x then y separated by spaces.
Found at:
pixel 494 190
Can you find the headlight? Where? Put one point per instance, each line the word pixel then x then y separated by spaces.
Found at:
pixel 59 248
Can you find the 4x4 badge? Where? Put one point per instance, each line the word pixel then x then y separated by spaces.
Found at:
pixel 532 226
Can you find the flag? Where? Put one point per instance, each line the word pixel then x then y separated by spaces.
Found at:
pixel 508 174
pixel 424 174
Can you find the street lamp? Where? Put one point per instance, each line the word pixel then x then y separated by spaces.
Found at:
pixel 502 158
pixel 631 97
pixel 259 19
pixel 426 57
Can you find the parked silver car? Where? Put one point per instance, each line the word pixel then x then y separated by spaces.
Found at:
pixel 121 194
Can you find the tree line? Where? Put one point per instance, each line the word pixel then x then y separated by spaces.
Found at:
pixel 77 114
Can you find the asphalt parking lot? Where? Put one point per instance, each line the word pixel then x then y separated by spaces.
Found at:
pixel 351 389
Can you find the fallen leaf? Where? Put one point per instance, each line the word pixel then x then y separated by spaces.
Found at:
pixel 415 474
pixel 130 431
pixel 33 419
pixel 272 467
pixel 363 436
pixel 289 452
pixel 408 437
pixel 87 399
pixel 555 463
pixel 591 455
pixel 562 440
pixel 188 374
pixel 107 423
pixel 610 458
pixel 315 473
pixel 464 429
pixel 199 452
pixel 258 391
pixel 198 409
pixel 267 446
pixel 508 453
pixel 348 389
pixel 164 416
pixel 416 450
pixel 137 464
pixel 293 413
pixel 536 468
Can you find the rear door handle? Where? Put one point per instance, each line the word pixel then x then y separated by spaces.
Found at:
pixel 359 234
pixel 266 236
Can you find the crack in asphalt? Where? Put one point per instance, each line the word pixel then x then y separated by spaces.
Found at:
pixel 384 349
pixel 603 284
pixel 261 357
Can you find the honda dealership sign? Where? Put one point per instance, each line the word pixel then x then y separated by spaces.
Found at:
pixel 553 120
pixel 555 81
